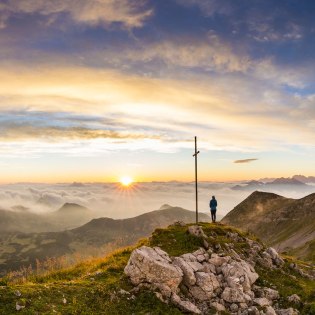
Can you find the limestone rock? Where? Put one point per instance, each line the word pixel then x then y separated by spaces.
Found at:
pixel 253 311
pixel 294 298
pixel 186 306
pixel 287 311
pixel 188 271
pixel 269 310
pixel 271 294
pixel 277 260
pixel 218 261
pixel 197 231
pixel 234 307
pixel 233 295
pixel 153 266
pixel 262 302
pixel 219 307
pixel 239 273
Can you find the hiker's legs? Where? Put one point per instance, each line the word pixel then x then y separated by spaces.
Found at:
pixel 213 216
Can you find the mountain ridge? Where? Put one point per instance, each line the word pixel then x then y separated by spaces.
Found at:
pixel 93 238
pixel 285 223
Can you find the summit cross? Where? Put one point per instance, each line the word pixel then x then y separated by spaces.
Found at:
pixel 196 178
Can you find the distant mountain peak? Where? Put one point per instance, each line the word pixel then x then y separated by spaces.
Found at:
pixel 258 193
pixel 287 181
pixel 165 206
pixel 70 207
pixel 77 184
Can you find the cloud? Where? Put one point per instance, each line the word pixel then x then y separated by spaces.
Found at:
pixel 209 54
pixel 109 200
pixel 245 161
pixel 136 112
pixel 210 7
pixel 18 132
pixel 257 21
pixel 128 13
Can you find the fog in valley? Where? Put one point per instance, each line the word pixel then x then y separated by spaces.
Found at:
pixel 114 201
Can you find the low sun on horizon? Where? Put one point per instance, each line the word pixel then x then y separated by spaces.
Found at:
pixel 126 181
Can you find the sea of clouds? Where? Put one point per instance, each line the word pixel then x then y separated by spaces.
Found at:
pixel 112 200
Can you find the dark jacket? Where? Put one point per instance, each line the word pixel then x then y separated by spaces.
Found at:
pixel 213 204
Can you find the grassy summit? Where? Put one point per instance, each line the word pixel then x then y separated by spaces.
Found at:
pixel 100 287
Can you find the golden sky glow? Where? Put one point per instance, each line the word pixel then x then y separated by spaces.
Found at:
pixel 92 90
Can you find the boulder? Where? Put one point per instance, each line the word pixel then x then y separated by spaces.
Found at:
pixel 287 311
pixel 253 311
pixel 239 273
pixel 186 306
pixel 218 307
pixel 294 298
pixel 234 307
pixel 197 231
pixel 153 266
pixel 269 310
pixel 206 284
pixel 233 295
pixel 271 294
pixel 201 255
pixel 262 302
pixel 277 260
pixel 218 261
pixel 188 271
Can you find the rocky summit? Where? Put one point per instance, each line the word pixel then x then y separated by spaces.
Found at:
pixel 210 278
pixel 182 269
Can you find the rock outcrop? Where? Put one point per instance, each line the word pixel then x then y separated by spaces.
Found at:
pixel 202 280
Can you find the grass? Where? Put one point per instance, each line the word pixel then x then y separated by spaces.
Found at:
pixel 94 286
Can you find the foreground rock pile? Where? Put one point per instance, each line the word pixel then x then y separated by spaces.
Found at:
pixel 202 280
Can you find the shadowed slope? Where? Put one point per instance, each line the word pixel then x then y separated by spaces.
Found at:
pixel 283 222
pixel 92 239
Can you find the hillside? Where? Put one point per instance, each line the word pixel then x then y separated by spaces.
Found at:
pixel 70 215
pixel 95 238
pixel 20 219
pixel 102 287
pixel 17 221
pixel 282 222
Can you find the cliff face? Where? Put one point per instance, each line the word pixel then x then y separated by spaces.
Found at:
pixel 283 223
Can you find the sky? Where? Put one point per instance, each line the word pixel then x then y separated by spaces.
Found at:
pixel 95 90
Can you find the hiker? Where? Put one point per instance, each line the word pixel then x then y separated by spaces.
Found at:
pixel 213 208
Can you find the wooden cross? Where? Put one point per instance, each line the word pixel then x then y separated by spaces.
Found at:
pixel 196 178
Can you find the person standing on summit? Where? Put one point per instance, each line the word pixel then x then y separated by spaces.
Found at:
pixel 213 208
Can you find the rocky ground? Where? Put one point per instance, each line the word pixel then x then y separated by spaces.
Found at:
pixel 211 269
pixel 214 277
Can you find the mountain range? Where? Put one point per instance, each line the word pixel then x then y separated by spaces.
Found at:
pixel 285 223
pixel 278 184
pixel 94 238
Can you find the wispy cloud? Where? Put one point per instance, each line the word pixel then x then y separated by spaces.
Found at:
pixel 128 13
pixel 164 110
pixel 245 161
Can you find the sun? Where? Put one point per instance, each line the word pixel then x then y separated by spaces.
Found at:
pixel 126 181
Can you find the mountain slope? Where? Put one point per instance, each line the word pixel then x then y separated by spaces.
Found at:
pixel 15 221
pixel 70 215
pixel 92 239
pixel 100 286
pixel 282 222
